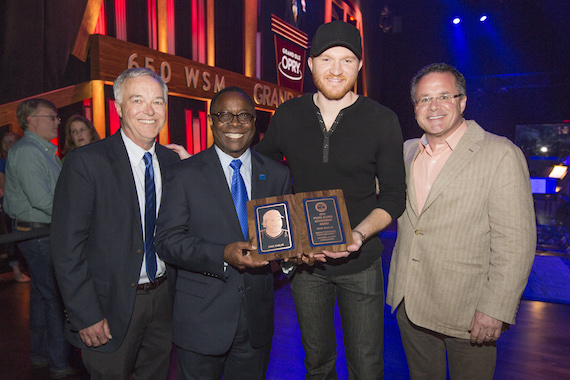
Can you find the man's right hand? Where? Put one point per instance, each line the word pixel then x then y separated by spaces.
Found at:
pixel 97 334
pixel 238 255
pixel 183 153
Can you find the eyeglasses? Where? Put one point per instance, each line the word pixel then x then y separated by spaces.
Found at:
pixel 442 98
pixel 52 117
pixel 227 117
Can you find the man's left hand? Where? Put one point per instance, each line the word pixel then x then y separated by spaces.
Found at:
pixel 238 255
pixel 355 246
pixel 485 328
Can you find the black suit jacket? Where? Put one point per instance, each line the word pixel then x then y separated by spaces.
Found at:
pixel 97 239
pixel 197 220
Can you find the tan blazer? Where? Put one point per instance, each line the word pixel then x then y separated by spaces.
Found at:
pixel 473 244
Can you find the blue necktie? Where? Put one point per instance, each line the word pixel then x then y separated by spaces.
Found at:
pixel 149 217
pixel 239 194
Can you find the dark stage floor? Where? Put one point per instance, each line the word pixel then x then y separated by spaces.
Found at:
pixel 537 347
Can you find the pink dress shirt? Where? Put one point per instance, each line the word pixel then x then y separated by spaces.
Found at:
pixel 428 163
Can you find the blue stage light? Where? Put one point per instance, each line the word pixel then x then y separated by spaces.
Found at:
pixel 483 18
pixel 456 20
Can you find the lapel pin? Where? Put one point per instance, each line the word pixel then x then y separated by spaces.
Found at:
pixel 262 177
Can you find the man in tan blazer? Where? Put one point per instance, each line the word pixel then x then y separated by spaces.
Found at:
pixel 467 239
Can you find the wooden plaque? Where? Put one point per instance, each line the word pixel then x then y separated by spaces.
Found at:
pixel 282 216
pixel 286 225
pixel 327 226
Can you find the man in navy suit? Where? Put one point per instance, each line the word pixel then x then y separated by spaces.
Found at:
pixel 119 310
pixel 223 304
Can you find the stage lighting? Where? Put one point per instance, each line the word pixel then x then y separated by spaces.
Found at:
pixel 456 20
pixel 483 18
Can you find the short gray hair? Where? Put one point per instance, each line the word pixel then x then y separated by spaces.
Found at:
pixel 133 73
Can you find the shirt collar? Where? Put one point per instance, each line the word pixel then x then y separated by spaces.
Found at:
pixel 226 159
pixel 134 151
pixel 450 141
pixel 44 143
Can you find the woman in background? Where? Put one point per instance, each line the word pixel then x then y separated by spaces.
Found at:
pixel 79 131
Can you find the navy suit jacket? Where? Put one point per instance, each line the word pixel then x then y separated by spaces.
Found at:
pixel 197 220
pixel 97 239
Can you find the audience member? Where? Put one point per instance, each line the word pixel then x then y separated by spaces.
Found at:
pixel 32 169
pixel 79 131
pixel 8 139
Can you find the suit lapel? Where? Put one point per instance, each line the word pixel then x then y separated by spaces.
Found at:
pixel 465 150
pixel 123 173
pixel 410 155
pixel 214 174
pixel 164 158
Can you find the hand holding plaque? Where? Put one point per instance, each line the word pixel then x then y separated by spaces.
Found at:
pixel 286 225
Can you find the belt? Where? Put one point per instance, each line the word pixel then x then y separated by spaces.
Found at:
pixel 28 226
pixel 152 285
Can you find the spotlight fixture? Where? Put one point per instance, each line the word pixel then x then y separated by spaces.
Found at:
pixel 456 21
pixel 483 18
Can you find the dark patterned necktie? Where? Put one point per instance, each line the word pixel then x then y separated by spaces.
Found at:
pixel 149 218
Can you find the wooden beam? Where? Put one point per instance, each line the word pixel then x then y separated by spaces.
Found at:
pixel 61 98
pixel 98 105
pixel 249 37
pixel 87 27
pixel 162 26
pixel 210 34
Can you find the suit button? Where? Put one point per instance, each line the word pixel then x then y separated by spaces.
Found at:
pixel 240 289
pixel 418 232
pixel 133 285
pixel 139 251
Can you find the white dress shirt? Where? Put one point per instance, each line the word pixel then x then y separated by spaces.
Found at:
pixel 138 166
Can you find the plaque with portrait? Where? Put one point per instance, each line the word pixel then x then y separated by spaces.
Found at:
pixel 286 225
pixel 273 227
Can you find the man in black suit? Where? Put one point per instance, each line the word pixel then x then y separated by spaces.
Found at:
pixel 119 311
pixel 223 304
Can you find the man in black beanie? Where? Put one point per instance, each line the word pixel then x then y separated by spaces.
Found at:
pixel 337 139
